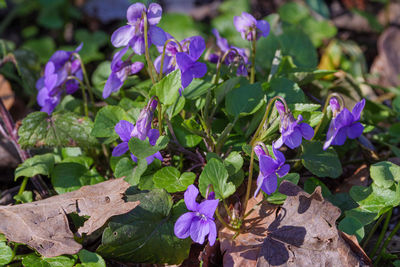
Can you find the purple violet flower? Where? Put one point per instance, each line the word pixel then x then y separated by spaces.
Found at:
pixel 292 131
pixel 141 130
pixel 50 85
pixel 344 124
pixel 187 62
pixel 232 57
pixel 171 50
pixel 120 70
pixel 199 221
pixel 269 169
pixel 133 33
pixel 246 23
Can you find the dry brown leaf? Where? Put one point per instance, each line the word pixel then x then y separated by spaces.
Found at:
pixel 303 233
pixel 244 249
pixel 43 225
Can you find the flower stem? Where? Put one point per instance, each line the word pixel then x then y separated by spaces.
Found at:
pixel 340 98
pixel 223 222
pixel 163 55
pixel 85 101
pixel 383 232
pixel 159 116
pixel 383 249
pixel 373 230
pixel 86 78
pixel 150 66
pixel 254 141
pixel 249 181
pixel 253 57
pixel 22 188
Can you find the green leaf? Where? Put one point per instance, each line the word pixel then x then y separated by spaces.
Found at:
pixel 142 148
pixel 177 107
pixel 5 253
pixel 352 226
pixel 43 47
pixel 25 197
pixel 318 30
pixel 179 25
pixel 59 261
pixel 126 167
pixel 385 173
pixel 38 164
pixel 277 197
pixel 322 163
pixel 293 12
pixel 216 174
pixel 319 6
pixel 196 88
pixel 312 183
pixel 286 89
pixel 67 177
pixel 373 201
pixel 167 90
pixel 296 43
pixel 184 131
pixel 101 74
pixel 92 42
pixel 90 259
pixel 233 162
pixel 105 121
pixel 60 129
pixel 146 234
pixel 244 100
pixel 170 179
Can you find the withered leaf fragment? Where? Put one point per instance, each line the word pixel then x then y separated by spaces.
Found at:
pixel 43 225
pixel 304 233
pixel 301 233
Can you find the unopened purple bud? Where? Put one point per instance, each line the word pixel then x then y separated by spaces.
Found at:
pixel 153 105
pixel 335 106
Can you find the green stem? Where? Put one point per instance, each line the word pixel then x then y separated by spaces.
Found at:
pixel 253 141
pixel 150 66
pixel 266 114
pixel 249 182
pixel 387 241
pixel 159 116
pixel 253 57
pixel 22 188
pixel 227 208
pixel 383 232
pixel 223 222
pixel 14 251
pixel 86 78
pixel 85 101
pixel 372 231
pixel 163 55
pixel 340 98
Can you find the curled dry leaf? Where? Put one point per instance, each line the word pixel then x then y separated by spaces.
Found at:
pixel 302 233
pixel 43 225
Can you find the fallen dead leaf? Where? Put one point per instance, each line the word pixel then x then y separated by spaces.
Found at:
pixel 301 233
pixel 245 248
pixel 43 225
